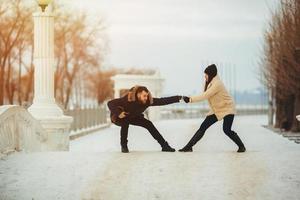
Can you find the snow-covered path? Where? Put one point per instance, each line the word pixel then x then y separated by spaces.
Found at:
pixel 94 168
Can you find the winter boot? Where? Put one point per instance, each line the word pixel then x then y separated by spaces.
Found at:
pixel 166 147
pixel 237 140
pixel 124 149
pixel 186 149
pixel 241 149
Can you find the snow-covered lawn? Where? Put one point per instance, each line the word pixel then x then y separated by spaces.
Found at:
pixel 94 168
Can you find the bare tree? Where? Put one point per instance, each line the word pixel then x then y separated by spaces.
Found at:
pixel 77 49
pixel 13 22
pixel 280 65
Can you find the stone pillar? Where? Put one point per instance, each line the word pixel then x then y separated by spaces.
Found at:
pixel 117 93
pixel 44 108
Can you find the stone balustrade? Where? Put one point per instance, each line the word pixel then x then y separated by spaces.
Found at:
pixel 19 131
pixel 87 117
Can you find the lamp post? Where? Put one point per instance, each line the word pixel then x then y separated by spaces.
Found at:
pixel 44 107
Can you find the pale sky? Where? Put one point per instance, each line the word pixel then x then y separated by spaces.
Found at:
pixel 180 37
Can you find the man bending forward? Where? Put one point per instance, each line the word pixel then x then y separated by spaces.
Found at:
pixel 129 110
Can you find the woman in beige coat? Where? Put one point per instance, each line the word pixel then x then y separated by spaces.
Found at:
pixel 221 107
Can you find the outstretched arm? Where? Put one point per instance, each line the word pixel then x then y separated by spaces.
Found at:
pixel 207 94
pixel 165 100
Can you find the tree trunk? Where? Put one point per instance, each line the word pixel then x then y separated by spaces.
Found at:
pixel 296 123
pixel 8 81
pixel 1 85
pixel 68 94
pixel 29 85
pixel 289 106
pixel 2 79
pixel 279 117
pixel 19 76
pixel 270 108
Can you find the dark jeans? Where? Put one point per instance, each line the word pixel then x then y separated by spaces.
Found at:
pixel 138 121
pixel 210 120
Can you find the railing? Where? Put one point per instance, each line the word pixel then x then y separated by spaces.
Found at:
pixel 19 130
pixel 198 111
pixel 87 119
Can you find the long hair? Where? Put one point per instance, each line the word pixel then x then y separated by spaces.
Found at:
pixel 207 82
pixel 211 71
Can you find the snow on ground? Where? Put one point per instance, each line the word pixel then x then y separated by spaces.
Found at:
pixel 95 169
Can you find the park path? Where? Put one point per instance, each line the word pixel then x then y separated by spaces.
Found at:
pixel 94 168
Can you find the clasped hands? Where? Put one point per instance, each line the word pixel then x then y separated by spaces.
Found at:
pixel 186 99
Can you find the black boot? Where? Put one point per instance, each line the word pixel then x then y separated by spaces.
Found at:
pixel 241 149
pixel 166 147
pixel 124 149
pixel 189 146
pixel 186 149
pixel 196 137
pixel 237 140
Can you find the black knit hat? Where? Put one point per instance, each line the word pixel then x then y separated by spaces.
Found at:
pixel 211 70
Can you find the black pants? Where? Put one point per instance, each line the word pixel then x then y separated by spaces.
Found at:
pixel 210 120
pixel 138 121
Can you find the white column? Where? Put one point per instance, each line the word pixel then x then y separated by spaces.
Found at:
pixel 44 107
pixel 44 59
pixel 117 93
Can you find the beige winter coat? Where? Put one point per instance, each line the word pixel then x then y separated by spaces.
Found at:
pixel 219 100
